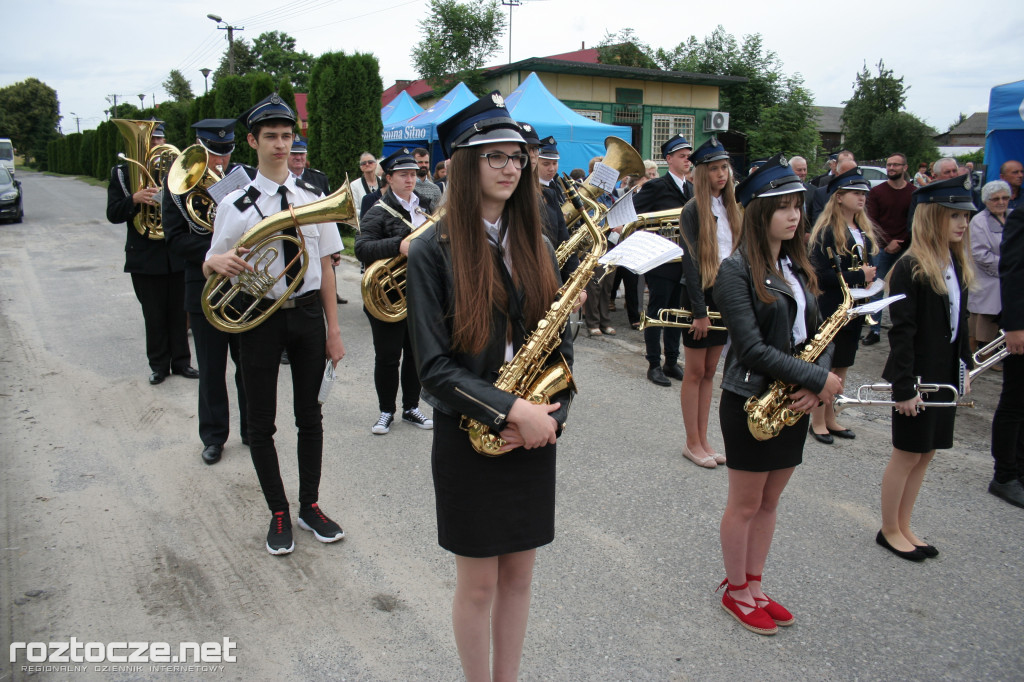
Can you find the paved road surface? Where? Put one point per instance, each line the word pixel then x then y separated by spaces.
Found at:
pixel 113 528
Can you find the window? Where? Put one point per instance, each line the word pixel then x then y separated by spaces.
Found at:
pixel 666 126
pixel 629 96
pixel 592 114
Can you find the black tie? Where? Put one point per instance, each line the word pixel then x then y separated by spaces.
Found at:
pixel 290 249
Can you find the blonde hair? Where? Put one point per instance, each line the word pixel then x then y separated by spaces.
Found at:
pixel 707 226
pixel 832 217
pixel 930 247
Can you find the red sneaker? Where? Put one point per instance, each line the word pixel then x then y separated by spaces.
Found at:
pixel 757 620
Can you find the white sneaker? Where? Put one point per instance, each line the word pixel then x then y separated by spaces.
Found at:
pixel 417 418
pixel 383 424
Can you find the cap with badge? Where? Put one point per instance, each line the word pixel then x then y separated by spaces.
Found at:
pixel 401 159
pixel 158 129
pixel 711 150
pixel 675 143
pixel 216 135
pixel 299 145
pixel 529 134
pixel 272 107
pixel 952 193
pixel 773 178
pixel 549 148
pixel 484 121
pixel 850 180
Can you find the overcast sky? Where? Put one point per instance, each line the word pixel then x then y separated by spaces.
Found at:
pixel 950 53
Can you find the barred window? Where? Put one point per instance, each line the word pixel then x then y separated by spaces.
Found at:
pixel 592 114
pixel 666 126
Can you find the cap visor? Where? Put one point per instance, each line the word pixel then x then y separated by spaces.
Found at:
pixel 788 188
pixel 495 135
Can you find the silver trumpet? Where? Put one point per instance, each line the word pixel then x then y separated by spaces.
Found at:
pixel 990 354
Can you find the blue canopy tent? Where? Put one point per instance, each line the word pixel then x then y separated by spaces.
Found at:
pixel 421 129
pixel 400 108
pixel 1004 139
pixel 579 138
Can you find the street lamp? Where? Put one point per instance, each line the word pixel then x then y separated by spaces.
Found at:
pixel 206 80
pixel 231 38
pixel 142 101
pixel 78 126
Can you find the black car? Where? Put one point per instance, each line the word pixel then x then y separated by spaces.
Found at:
pixel 10 197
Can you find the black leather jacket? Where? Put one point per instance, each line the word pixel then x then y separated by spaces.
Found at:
pixel 762 347
pixel 453 382
pixel 381 233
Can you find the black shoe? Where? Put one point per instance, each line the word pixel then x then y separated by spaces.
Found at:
pixel 157 378
pixel 416 418
pixel 658 377
pixel 928 551
pixel 913 555
pixel 279 537
pixel 324 530
pixel 342 301
pixel 245 441
pixel 673 371
pixel 212 453
pixel 1012 492
pixel 843 433
pixel 187 372
pixel 825 438
pixel 871 339
pixel 284 358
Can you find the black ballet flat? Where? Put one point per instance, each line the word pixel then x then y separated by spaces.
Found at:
pixel 824 438
pixel 928 550
pixel 843 433
pixel 913 555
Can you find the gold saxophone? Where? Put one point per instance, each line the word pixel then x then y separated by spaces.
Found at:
pixel 767 415
pixel 526 376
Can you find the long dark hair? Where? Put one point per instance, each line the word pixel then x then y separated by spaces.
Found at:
pixel 708 232
pixel 757 218
pixel 478 289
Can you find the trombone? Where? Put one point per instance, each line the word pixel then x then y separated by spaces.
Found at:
pixel 678 317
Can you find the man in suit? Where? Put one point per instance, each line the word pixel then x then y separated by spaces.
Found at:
pixel 157 275
pixel 664 285
pixel 1008 420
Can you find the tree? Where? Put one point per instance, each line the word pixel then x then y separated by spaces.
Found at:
pixel 276 54
pixel 457 40
pixel 625 49
pixel 31 117
pixel 789 125
pixel 874 96
pixel 177 87
pixel 245 61
pixel 903 132
pixel 233 96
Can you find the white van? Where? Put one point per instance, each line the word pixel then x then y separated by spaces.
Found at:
pixel 7 154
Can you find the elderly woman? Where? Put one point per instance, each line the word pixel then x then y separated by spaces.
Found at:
pixel 986 233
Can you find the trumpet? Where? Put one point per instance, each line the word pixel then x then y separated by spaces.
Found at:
pixel 858 261
pixel 990 354
pixel 677 317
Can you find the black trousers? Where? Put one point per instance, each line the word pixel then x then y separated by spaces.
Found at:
pixel 1008 423
pixel 633 293
pixel 163 308
pixel 212 348
pixel 663 292
pixel 303 333
pixel 391 345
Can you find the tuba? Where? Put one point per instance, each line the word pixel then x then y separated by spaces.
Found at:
pixel 146 168
pixel 221 303
pixel 621 156
pixel 526 376
pixel 383 284
pixel 190 179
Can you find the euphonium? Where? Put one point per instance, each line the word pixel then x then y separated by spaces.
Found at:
pixel 526 376
pixel 664 223
pixel 146 168
pixel 767 415
pixel 189 180
pixel 383 283
pixel 218 296
pixel 618 154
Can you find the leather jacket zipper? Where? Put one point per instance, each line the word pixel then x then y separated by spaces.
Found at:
pixel 499 416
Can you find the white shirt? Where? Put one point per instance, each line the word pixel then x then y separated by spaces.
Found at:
pixel 321 239
pixel 858 236
pixel 494 234
pixel 800 324
pixel 954 301
pixel 413 207
pixel 724 229
pixel 680 182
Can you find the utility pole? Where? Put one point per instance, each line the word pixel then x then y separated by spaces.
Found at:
pixel 510 4
pixel 231 39
pixel 113 99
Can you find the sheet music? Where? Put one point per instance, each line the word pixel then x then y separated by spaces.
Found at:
pixel 876 306
pixel 641 252
pixel 604 177
pixel 860 292
pixel 622 211
pixel 236 179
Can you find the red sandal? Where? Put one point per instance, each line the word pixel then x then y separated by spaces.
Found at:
pixel 757 620
pixel 779 613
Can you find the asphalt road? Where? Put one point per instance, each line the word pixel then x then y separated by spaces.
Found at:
pixel 114 529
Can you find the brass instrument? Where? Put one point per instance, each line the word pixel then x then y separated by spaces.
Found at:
pixel 219 294
pixel 190 178
pixel 857 263
pixel 767 415
pixel 383 283
pixel 990 354
pixel 618 154
pixel 663 223
pixel 679 318
pixel 526 376
pixel 579 240
pixel 146 168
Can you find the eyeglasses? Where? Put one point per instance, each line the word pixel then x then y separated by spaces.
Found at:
pixel 499 160
pixel 1002 198
pixel 367 162
pixel 895 165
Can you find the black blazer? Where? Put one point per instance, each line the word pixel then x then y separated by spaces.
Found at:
pixel 318 179
pixel 554 223
pixel 661 194
pixel 142 256
pixel 828 279
pixel 920 336
pixel 1011 272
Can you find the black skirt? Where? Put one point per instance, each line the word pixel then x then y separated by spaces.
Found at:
pixel 488 506
pixel 713 338
pixel 744 452
pixel 846 343
pixel 932 428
